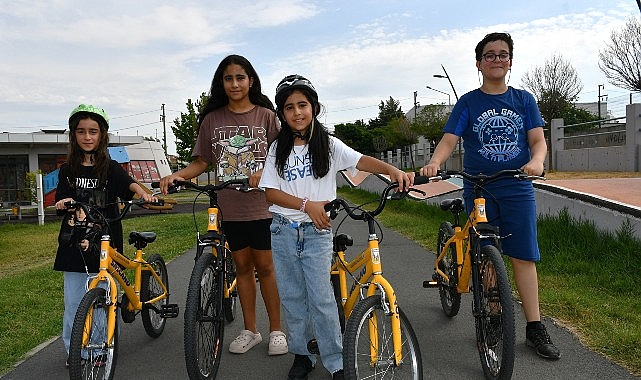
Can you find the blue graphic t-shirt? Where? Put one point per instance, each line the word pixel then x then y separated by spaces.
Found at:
pixel 494 129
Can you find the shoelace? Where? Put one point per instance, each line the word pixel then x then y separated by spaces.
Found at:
pixel 540 336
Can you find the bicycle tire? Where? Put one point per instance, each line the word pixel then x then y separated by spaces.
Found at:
pixel 230 304
pixel 450 297
pixel 336 285
pixel 150 288
pixel 495 320
pixel 100 361
pixel 204 321
pixel 356 344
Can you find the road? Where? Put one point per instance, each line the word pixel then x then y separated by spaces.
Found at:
pixel 447 345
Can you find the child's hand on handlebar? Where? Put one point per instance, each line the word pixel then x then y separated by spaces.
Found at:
pixel 405 180
pixel 167 181
pixel 60 205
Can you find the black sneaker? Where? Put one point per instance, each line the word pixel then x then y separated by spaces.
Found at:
pixel 538 338
pixel 338 375
pixel 301 367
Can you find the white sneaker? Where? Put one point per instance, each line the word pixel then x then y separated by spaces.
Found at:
pixel 244 342
pixel 277 343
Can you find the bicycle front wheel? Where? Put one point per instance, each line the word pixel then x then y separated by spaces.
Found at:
pixel 90 355
pixel 368 315
pixel 495 319
pixel 204 319
pixel 150 288
pixel 450 297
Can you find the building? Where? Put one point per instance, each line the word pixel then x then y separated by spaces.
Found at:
pixel 46 151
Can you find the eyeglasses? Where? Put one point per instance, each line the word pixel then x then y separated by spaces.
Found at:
pixel 491 57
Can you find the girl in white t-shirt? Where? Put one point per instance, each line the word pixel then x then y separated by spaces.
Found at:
pixel 299 178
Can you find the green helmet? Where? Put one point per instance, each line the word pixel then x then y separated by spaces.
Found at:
pixel 88 108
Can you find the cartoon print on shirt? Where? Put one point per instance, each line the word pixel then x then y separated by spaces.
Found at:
pixel 498 134
pixel 237 159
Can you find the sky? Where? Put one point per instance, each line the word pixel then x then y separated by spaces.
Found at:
pixel 131 57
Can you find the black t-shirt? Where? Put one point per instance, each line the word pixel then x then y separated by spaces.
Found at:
pixel 70 258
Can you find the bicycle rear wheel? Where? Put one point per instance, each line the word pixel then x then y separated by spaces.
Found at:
pixel 230 304
pixel 94 358
pixel 357 343
pixel 150 288
pixel 450 297
pixel 495 319
pixel 204 319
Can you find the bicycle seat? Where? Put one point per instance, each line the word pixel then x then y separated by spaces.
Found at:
pixel 454 204
pixel 342 241
pixel 141 237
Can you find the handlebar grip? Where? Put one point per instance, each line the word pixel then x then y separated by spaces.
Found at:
pixel 421 180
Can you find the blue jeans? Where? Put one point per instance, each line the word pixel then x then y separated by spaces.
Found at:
pixel 302 258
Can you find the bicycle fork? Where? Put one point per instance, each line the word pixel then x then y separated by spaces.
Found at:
pixel 388 297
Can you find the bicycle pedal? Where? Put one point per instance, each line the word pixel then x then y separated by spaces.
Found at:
pixel 430 284
pixel 169 311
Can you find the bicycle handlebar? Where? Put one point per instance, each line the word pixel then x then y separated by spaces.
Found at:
pixel 334 205
pixel 241 184
pixel 87 208
pixel 484 178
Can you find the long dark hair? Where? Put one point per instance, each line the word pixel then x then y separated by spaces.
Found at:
pixel 318 147
pixel 217 96
pixel 75 154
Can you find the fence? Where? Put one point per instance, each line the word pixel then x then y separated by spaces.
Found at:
pixel 612 148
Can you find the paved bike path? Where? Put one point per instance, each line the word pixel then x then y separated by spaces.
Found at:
pixel 447 345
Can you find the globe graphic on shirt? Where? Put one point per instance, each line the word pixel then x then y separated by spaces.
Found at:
pixel 498 136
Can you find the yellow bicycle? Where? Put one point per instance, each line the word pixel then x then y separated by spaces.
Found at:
pixel 93 349
pixel 378 341
pixel 211 296
pixel 470 254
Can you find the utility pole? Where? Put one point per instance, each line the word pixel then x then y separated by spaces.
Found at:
pixel 164 128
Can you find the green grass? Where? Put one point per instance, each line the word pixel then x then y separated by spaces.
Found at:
pixel 31 292
pixel 587 279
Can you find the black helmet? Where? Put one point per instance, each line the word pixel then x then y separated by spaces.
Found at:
pixel 292 82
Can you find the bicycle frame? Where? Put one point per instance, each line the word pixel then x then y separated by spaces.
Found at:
pixel 372 273
pixel 110 270
pixel 463 243
pixel 214 234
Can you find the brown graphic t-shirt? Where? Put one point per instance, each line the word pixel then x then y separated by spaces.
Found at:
pixel 236 144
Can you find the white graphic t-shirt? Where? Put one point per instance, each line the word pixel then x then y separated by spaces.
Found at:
pixel 298 177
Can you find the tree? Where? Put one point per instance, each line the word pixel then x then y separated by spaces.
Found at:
pixel 186 128
pixel 554 84
pixel 620 61
pixel 429 122
pixel 356 135
pixel 387 111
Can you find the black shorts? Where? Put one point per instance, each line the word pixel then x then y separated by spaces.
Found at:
pixel 254 234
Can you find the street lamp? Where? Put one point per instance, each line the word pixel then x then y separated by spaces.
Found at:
pixel 448 79
pixel 460 155
pixel 449 100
